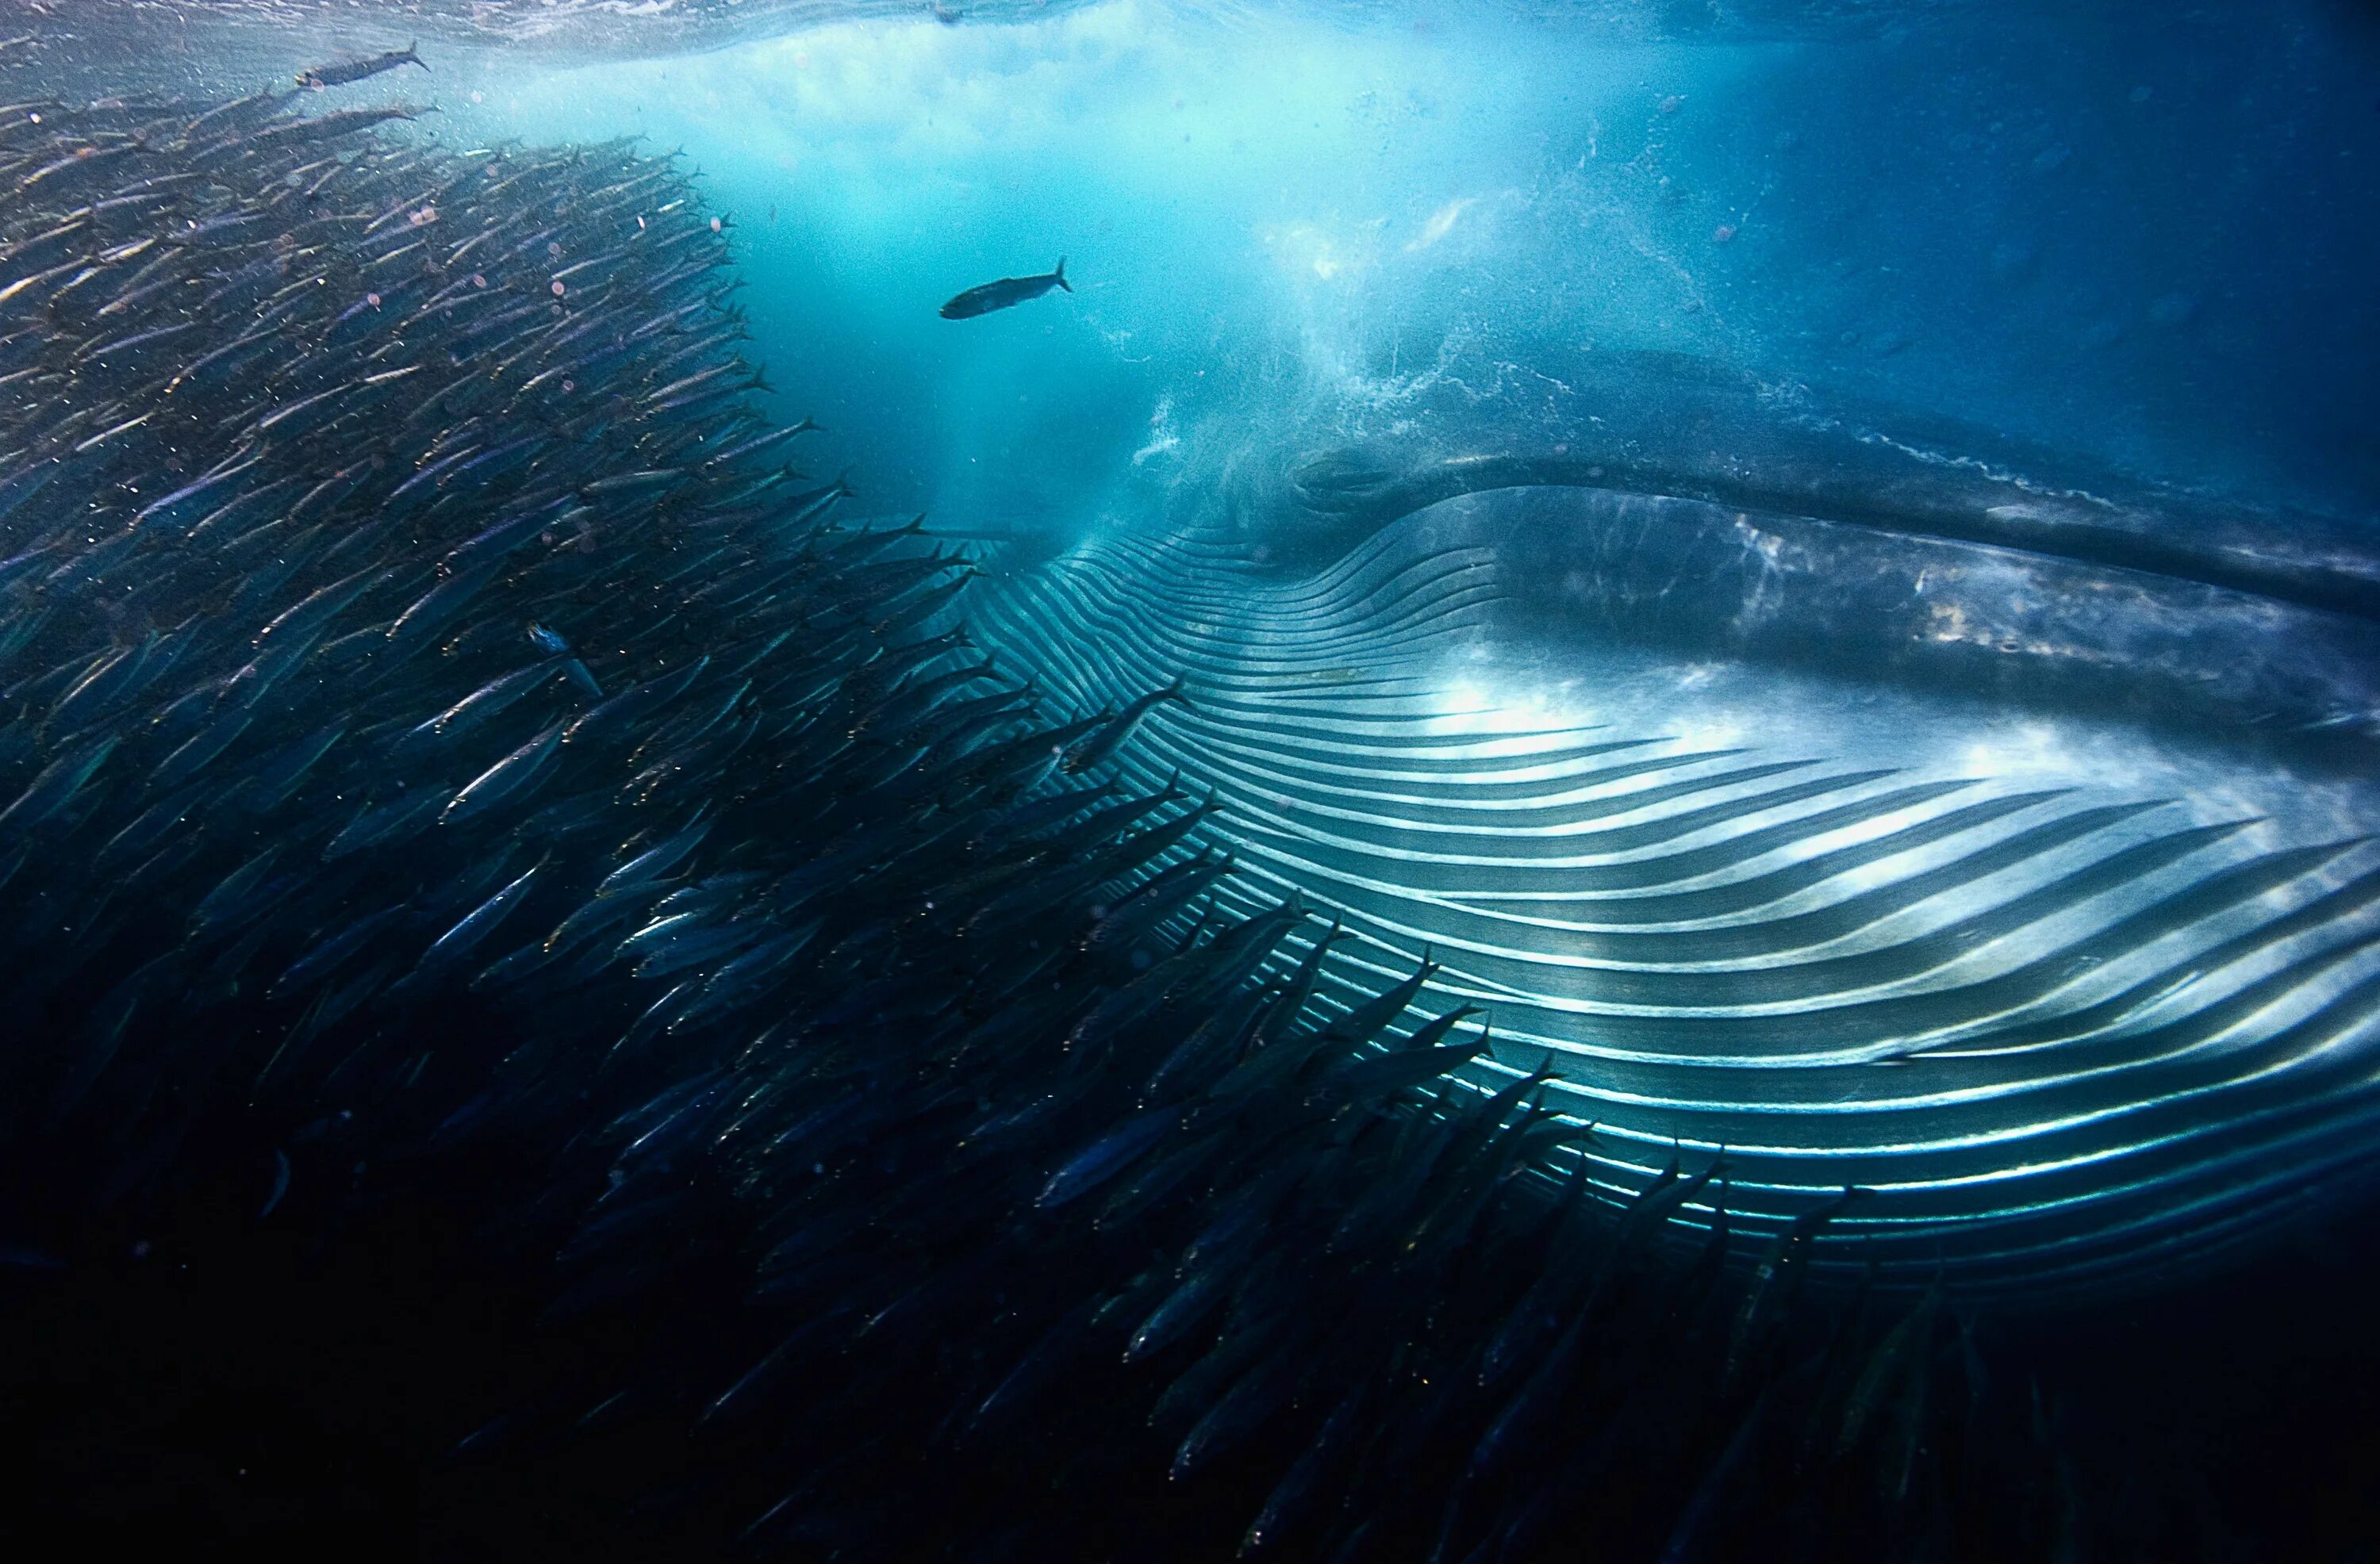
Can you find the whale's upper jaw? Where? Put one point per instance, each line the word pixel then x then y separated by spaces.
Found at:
pixel 1708 513
pixel 2027 627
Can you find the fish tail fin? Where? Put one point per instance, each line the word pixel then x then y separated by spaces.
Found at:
pixel 412 52
pixel 1061 275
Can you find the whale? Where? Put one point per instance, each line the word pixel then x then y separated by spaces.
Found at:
pixel 1847 791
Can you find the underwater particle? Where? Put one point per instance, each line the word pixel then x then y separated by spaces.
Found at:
pixel 2140 94
pixel 424 215
pixel 2052 157
pixel 479 280
pixel 1672 103
pixel 714 225
pixel 2175 309
pixel 570 385
pixel 2011 256
pixel 553 247
pixel 1723 233
pixel 558 289
pixel 372 299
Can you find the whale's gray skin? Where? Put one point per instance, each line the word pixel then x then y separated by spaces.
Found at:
pixel 1722 446
pixel 2028 630
pixel 1869 852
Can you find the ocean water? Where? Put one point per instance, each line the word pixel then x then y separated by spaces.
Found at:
pixel 1810 567
pixel 2123 236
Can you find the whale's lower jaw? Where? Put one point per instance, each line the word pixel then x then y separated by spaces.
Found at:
pixel 2075 999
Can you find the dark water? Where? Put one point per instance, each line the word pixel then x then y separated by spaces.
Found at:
pixel 1817 561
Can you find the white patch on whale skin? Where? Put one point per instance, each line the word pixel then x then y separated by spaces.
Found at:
pixel 1441 223
pixel 1162 437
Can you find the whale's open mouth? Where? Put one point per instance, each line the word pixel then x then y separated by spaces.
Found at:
pixel 1883 818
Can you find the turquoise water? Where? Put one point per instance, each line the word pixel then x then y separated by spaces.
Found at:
pixel 2114 233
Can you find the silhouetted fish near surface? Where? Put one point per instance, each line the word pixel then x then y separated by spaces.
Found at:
pixel 1005 294
pixel 341 72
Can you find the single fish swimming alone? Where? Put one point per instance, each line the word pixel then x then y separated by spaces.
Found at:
pixel 1005 293
pixel 344 71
